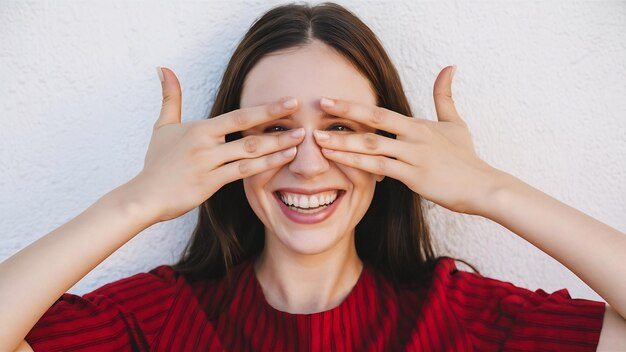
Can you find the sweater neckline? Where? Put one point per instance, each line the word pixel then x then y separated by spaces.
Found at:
pixel 345 304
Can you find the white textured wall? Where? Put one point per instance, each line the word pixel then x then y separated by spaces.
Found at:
pixel 541 84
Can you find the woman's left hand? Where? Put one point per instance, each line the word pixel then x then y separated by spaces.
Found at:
pixel 434 159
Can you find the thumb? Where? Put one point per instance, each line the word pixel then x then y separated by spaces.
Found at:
pixel 442 92
pixel 172 98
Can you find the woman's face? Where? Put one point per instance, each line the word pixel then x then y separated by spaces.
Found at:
pixel 308 73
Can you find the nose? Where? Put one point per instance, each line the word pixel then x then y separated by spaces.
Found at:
pixel 309 161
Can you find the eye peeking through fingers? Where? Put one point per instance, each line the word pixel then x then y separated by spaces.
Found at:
pixel 339 127
pixel 274 128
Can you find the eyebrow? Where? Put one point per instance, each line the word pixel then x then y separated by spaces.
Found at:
pixel 325 116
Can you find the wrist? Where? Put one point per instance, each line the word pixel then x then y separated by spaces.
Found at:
pixel 134 201
pixel 497 189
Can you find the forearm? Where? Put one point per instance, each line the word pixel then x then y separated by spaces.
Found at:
pixel 592 250
pixel 34 278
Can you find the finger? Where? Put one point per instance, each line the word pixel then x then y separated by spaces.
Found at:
pixel 172 98
pixel 442 92
pixel 371 115
pixel 363 143
pixel 376 164
pixel 248 167
pixel 245 118
pixel 254 146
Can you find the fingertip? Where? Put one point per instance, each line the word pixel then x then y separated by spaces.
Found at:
pixel 321 135
pixel 298 133
pixel 160 74
pixel 452 72
pixel 327 102
pixel 168 75
pixel 289 153
pixel 289 103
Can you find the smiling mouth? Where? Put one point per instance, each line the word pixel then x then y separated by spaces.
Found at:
pixel 308 204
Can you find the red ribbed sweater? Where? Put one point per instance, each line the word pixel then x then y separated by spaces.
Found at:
pixel 453 311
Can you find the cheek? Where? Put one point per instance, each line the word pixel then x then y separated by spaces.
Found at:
pixel 364 187
pixel 362 181
pixel 254 187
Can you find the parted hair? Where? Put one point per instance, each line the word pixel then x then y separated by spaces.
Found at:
pixel 393 236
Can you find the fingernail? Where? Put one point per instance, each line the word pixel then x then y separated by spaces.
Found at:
pixel 290 104
pixel 327 103
pixel 160 73
pixel 453 72
pixel 321 135
pixel 289 152
pixel 297 133
pixel 324 150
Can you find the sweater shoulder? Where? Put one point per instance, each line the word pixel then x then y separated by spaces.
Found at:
pixel 160 278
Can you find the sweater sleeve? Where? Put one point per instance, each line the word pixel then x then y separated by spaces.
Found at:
pixel 124 315
pixel 501 316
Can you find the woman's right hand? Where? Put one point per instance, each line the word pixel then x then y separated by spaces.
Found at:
pixel 186 163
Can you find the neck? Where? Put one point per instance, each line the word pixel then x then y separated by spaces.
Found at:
pixel 310 283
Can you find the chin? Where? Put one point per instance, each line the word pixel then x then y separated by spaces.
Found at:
pixel 308 241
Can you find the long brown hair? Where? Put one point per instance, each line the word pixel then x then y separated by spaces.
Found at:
pixel 393 235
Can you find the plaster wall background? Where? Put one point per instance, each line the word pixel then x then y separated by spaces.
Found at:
pixel 542 85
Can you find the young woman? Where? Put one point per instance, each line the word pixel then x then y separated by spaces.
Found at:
pixel 309 175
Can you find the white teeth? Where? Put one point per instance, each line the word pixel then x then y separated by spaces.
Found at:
pixel 308 211
pixel 308 201
pixel 295 202
pixel 304 202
